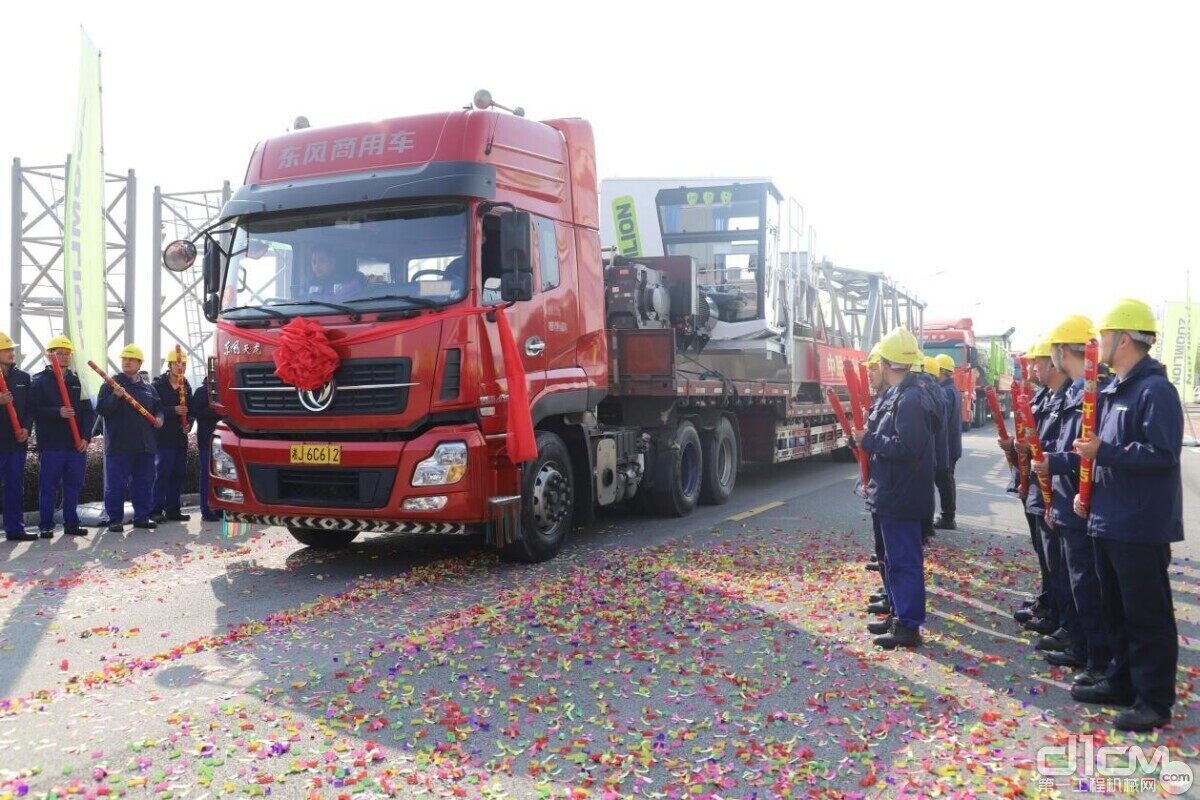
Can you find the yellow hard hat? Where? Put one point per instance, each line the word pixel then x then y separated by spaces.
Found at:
pixel 931 365
pixel 60 342
pixel 175 355
pixel 873 357
pixel 946 362
pixel 1039 349
pixel 5 342
pixel 133 351
pixel 900 348
pixel 1129 315
pixel 1075 329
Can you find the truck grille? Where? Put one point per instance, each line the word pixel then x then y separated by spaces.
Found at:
pixel 364 386
pixel 323 487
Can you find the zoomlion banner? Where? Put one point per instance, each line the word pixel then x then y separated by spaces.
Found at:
pixel 1176 346
pixel 83 226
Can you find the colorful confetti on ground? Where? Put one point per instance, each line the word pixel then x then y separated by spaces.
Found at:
pixel 732 662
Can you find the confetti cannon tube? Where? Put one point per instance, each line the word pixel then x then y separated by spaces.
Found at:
pixel 66 398
pixel 12 411
pixel 844 421
pixel 856 409
pixel 138 407
pixel 997 413
pixel 998 417
pixel 838 411
pixel 183 419
pixel 1091 374
pixel 1019 435
pixel 1035 451
pixel 864 385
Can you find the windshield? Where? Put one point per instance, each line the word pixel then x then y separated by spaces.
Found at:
pixel 365 259
pixel 953 349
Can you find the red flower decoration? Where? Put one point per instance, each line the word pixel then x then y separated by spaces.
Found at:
pixel 304 358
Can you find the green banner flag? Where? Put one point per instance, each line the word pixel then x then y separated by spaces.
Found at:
pixel 1177 340
pixel 85 303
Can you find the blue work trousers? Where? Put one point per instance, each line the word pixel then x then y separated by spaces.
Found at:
pixel 65 468
pixel 1079 559
pixel 128 474
pixel 905 569
pixel 1136 593
pixel 12 481
pixel 170 464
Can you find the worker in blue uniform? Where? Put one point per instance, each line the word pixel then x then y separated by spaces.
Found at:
pixel 1045 616
pixel 130 442
pixel 61 462
pixel 944 476
pixel 170 459
pixel 1090 653
pixel 878 603
pixel 14 444
pixel 1064 646
pixel 1136 514
pixel 926 373
pixel 206 425
pixel 901 452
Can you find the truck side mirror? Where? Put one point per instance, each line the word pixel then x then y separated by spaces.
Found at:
pixel 212 266
pixel 516 275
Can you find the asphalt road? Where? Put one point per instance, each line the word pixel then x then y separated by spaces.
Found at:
pixel 721 655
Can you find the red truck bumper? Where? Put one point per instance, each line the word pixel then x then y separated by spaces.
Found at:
pixel 365 491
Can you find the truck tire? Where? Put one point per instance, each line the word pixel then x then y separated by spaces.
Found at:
pixel 720 450
pixel 322 540
pixel 679 471
pixel 547 502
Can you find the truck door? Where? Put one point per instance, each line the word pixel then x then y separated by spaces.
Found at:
pixel 556 284
pixel 527 319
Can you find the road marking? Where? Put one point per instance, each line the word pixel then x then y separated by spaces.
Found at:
pixel 756 510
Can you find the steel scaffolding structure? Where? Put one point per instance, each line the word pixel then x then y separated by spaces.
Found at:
pixel 179 312
pixel 36 303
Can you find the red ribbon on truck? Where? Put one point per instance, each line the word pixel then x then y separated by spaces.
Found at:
pixel 306 358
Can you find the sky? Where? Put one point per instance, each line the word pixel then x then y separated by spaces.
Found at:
pixel 1012 162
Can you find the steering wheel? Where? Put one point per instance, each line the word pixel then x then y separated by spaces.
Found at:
pixel 436 272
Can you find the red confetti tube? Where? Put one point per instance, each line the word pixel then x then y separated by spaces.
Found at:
pixel 12 411
pixel 1091 376
pixel 138 407
pixel 183 419
pixel 856 409
pixel 66 398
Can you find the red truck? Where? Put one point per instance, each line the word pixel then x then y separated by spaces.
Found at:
pixel 979 362
pixel 402 239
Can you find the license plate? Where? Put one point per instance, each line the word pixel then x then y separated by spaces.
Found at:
pixel 316 454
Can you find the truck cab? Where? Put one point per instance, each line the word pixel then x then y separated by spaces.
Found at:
pixel 412 228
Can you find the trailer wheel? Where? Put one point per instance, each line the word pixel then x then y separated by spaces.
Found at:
pixel 322 540
pixel 547 502
pixel 679 472
pixel 720 450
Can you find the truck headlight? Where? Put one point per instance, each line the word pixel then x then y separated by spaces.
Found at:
pixel 222 463
pixel 447 465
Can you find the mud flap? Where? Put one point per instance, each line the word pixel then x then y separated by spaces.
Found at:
pixel 504 520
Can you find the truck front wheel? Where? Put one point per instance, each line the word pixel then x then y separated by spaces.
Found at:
pixel 547 502
pixel 720 464
pixel 322 540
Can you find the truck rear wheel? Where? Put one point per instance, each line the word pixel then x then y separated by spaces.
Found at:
pixel 322 540
pixel 547 502
pixel 679 472
pixel 720 450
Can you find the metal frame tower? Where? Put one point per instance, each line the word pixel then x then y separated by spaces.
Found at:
pixel 37 310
